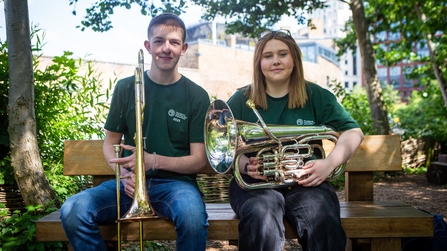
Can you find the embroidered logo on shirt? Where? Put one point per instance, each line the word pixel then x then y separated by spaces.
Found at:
pixel 177 116
pixel 305 122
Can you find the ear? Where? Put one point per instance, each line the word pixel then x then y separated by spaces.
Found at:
pixel 147 45
pixel 185 47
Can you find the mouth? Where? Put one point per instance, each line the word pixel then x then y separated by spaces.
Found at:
pixel 164 58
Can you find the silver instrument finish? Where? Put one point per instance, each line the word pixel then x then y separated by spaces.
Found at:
pixel 281 150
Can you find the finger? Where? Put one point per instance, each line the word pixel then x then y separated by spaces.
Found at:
pixel 252 160
pixel 128 147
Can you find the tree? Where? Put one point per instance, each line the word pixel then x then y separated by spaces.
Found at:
pixel 251 17
pixel 374 91
pixel 25 158
pixel 419 24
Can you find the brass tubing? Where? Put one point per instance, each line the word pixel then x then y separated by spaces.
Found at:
pixel 140 209
pixel 117 149
pixel 282 150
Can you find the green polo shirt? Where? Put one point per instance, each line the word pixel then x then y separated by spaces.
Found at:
pixel 322 108
pixel 173 118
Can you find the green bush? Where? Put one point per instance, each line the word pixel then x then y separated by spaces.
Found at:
pixel 68 105
pixel 424 115
pixel 416 170
pixel 18 231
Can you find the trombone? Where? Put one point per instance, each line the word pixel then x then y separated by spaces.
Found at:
pixel 140 209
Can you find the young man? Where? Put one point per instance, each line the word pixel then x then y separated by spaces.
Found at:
pixel 174 151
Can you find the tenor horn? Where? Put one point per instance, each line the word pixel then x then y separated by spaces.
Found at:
pixel 140 208
pixel 281 150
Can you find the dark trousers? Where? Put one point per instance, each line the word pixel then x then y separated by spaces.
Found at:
pixel 314 212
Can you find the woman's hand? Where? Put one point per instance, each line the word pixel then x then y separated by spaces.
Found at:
pixel 252 169
pixel 317 172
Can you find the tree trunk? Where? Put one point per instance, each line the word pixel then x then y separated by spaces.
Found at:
pixel 373 89
pixel 25 159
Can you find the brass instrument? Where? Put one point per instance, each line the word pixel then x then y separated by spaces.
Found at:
pixel 140 209
pixel 281 150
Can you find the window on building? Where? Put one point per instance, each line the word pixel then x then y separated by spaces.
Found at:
pixel 311 54
pixel 346 73
pixel 393 35
pixel 354 83
pixel 354 65
pixel 422 49
pixel 408 82
pixel 382 73
pixel 395 76
pixel 346 84
pixel 381 36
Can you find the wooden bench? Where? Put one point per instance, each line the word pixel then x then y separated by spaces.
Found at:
pixel 437 171
pixel 377 225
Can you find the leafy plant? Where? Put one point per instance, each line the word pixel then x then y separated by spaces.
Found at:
pixel 356 103
pixel 424 115
pixel 415 170
pixel 18 232
pixel 69 105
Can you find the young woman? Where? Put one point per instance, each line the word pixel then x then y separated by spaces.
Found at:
pixel 282 96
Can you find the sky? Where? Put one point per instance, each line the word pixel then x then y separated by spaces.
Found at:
pixel 118 45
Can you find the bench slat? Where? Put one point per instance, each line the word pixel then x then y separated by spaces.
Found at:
pixel 376 153
pixel 375 219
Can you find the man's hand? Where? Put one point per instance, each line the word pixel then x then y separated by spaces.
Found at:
pixel 128 162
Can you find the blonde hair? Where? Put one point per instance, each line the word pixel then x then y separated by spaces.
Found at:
pixel 297 87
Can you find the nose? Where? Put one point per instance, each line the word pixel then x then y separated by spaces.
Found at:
pixel 276 60
pixel 166 47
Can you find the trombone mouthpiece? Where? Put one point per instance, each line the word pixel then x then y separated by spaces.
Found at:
pixel 140 56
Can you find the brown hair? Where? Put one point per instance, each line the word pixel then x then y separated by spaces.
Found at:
pixel 297 87
pixel 167 19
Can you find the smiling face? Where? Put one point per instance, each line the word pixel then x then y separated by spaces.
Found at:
pixel 276 64
pixel 166 47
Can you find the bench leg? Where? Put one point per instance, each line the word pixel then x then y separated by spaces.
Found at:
pixel 391 244
pixel 233 242
pixel 374 244
pixel 358 244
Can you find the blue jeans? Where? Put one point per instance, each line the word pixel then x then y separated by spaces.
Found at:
pixel 179 201
pixel 314 213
